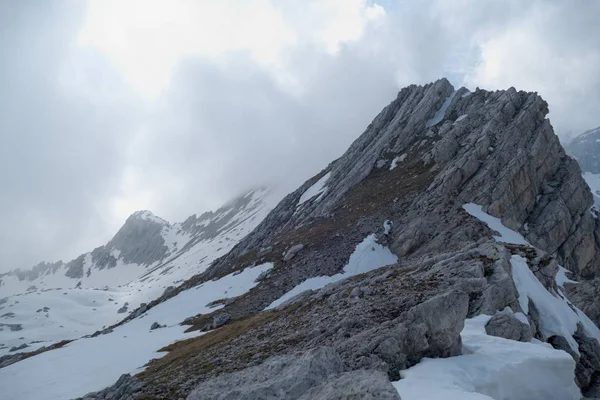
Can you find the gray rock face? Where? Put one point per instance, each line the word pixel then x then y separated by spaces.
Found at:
pixel 586 296
pixel 361 384
pixel 307 376
pixel 508 327
pixel 502 154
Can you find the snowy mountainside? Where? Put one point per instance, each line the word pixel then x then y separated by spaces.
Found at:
pixel 586 150
pixel 436 258
pixel 54 306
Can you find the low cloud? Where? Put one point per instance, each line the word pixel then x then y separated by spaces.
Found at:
pixel 187 117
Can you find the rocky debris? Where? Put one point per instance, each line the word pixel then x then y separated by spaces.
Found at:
pixel 9 359
pixel 123 309
pixel 168 290
pixel 264 251
pixel 102 332
pixel 508 327
pixel 220 319
pixel 20 347
pixel 317 374
pixel 139 311
pixel 125 389
pixel 156 325
pixel 8 315
pixel 13 327
pixel 291 253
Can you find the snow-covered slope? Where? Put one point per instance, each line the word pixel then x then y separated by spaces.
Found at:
pixel 85 365
pixel 49 305
pixel 586 149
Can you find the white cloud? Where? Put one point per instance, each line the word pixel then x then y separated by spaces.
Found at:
pixel 146 39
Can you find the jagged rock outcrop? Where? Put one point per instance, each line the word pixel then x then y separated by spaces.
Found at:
pixel 492 148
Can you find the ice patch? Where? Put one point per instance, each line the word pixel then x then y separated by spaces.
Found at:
pixel 396 160
pixel 439 115
pixel 492 368
pixel 506 235
pixel 318 188
pixel 368 256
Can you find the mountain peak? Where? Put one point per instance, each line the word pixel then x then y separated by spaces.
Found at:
pixel 147 215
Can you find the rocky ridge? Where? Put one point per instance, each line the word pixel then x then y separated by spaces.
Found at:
pixel 406 180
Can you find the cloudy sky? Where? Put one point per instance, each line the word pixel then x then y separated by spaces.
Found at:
pixel 175 106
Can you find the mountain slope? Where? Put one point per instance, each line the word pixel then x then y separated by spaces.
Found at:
pixel 586 149
pixel 440 234
pixel 147 256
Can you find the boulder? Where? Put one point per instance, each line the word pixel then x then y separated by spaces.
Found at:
pixel 220 320
pixel 291 253
pixel 508 327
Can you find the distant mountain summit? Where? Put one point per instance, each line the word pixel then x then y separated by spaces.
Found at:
pixel 586 149
pixel 143 243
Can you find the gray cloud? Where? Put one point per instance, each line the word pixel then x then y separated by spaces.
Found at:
pixel 71 128
pixel 60 153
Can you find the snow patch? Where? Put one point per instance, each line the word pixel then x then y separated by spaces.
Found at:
pixel 439 115
pixel 506 235
pixel 593 181
pixel 492 368
pixel 318 188
pixel 561 277
pixel 396 160
pixel 368 256
pixel 460 118
pixel 557 315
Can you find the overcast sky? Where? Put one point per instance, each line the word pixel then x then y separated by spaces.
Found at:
pixel 107 107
